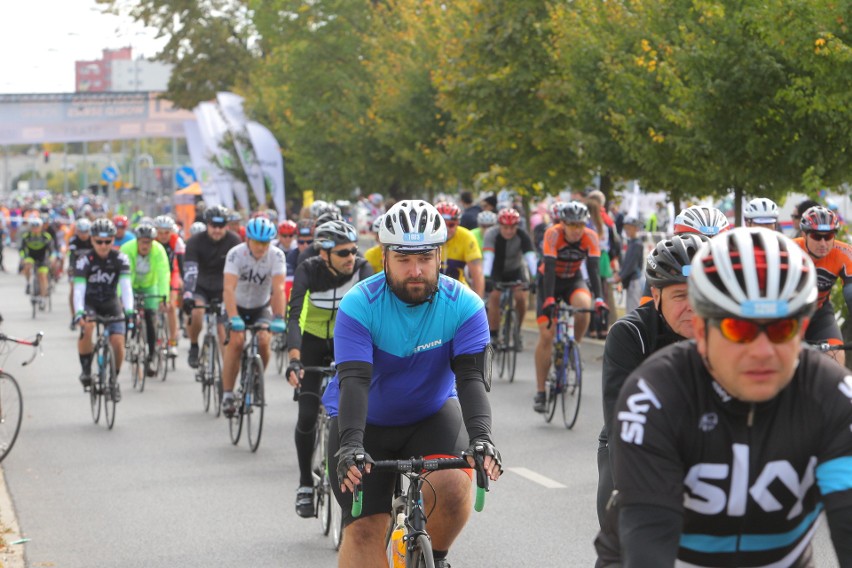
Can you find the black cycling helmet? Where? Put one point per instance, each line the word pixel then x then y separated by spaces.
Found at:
pixel 103 228
pixel 670 260
pixel 146 232
pixel 333 233
pixel 216 214
pixel 327 216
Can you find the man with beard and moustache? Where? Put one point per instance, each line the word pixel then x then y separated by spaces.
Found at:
pixel 318 287
pixel 412 354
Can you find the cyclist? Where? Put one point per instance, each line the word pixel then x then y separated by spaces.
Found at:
pixel 761 212
pixel 37 248
pixel 80 241
pixel 123 233
pixel 287 230
pixel 150 275
pixel 330 213
pixel 731 446
pixel 411 347
pixel 506 248
pixel 641 332
pixel 304 235
pixel 318 287
pixel 461 250
pixel 253 281
pixel 373 255
pixel 567 245
pixel 204 264
pixel 197 227
pixel 98 276
pixel 484 221
pixel 167 235
pixel 833 261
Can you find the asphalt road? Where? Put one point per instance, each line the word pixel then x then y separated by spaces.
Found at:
pixel 166 488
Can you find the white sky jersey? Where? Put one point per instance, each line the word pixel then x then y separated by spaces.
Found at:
pixel 254 286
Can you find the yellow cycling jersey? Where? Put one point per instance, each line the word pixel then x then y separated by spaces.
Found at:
pixel 373 255
pixel 457 252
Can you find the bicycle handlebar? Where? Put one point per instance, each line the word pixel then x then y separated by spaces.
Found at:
pixel 35 343
pixel 824 346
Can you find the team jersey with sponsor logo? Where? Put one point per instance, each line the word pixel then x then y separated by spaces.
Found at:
pixel 254 275
pixel 836 264
pixel 457 252
pixel 409 347
pixel 749 479
pixel 101 275
pixel 569 256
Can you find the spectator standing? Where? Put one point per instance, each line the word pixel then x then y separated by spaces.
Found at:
pixel 471 210
pixel 630 276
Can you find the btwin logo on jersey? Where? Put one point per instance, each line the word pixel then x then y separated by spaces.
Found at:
pixel 427 346
pixel 633 421
pixel 709 499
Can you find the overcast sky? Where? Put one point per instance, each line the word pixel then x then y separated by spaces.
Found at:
pixel 41 39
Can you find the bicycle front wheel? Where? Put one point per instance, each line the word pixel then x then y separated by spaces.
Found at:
pixel 320 475
pixel 110 386
pixel 280 346
pixel 420 555
pixel 95 395
pixel 202 374
pixel 214 375
pixel 254 403
pixel 573 387
pixel 11 413
pixel 510 341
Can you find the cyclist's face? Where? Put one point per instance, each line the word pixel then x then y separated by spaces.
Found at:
pixel 451 229
pixel 216 232
pixel 673 302
pixel 821 246
pixel 508 231
pixel 412 277
pixel 257 248
pixel 751 372
pixel 163 235
pixel 286 241
pixel 770 226
pixel 143 246
pixel 573 231
pixel 342 264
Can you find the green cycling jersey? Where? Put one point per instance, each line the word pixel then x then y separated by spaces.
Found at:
pixel 150 273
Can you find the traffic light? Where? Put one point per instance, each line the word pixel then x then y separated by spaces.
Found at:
pixel 46 156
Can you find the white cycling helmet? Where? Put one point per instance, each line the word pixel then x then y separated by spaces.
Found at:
pixel 83 225
pixel 761 210
pixel 377 223
pixel 708 221
pixel 197 227
pixel 164 222
pixel 413 226
pixel 752 273
pixel 486 218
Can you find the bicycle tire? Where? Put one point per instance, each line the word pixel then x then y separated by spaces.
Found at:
pixel 573 387
pixel 202 373
pixel 132 358
pixel 420 555
pixel 216 374
pixel 280 345
pixel 318 466
pixel 235 422
pixel 336 518
pixel 11 413
pixel 162 347
pixel 550 395
pixel 141 341
pixel 255 404
pixel 95 394
pixel 109 387
pixel 510 343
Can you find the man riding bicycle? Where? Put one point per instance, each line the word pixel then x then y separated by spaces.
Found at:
pixel 37 250
pixel 98 275
pixel 253 281
pixel 80 241
pixel 204 267
pixel 730 447
pixel 411 348
pixel 318 287
pixel 167 235
pixel 461 251
pixel 149 272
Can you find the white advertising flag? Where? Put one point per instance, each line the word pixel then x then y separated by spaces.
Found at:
pixel 213 130
pixel 200 163
pixel 231 106
pixel 271 162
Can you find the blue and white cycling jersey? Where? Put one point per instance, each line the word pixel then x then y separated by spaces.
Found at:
pixel 410 347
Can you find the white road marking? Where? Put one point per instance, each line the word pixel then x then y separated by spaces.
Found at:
pixel 536 477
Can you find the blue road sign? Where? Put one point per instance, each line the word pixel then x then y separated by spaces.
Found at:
pixel 109 174
pixel 185 176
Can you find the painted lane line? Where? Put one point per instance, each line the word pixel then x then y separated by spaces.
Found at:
pixel 536 477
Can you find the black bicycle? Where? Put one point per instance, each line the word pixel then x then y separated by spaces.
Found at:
pixel 249 395
pixel 104 390
pixel 139 355
pixel 326 506
pixel 209 371
pixel 509 330
pixel 279 350
pixel 11 401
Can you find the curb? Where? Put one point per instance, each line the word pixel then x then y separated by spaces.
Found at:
pixel 11 555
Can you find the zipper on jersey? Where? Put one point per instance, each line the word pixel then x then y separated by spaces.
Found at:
pixel 749 426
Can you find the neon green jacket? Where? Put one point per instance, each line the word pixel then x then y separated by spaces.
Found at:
pixel 151 271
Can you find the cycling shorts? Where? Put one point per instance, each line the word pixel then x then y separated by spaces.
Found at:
pixel 252 316
pixel 823 326
pixel 205 295
pixel 109 309
pixel 43 264
pixel 564 289
pixel 442 434
pixel 518 275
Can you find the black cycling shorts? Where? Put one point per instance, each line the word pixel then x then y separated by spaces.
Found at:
pixel 823 326
pixel 108 309
pixel 442 434
pixel 564 288
pixel 251 316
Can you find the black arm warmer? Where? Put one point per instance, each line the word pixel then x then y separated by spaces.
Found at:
pixel 549 276
pixel 470 383
pixel 649 535
pixel 593 267
pixel 354 379
pixel 840 523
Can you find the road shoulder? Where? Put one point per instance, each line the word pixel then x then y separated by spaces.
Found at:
pixel 11 555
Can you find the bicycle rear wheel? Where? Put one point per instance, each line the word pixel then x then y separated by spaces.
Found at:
pixel 110 386
pixel 95 395
pixel 420 555
pixel 510 338
pixel 215 366
pixel 573 386
pixel 162 347
pixel 279 344
pixel 203 372
pixel 11 413
pixel 254 403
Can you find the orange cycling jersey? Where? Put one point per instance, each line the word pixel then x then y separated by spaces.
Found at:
pixel 836 264
pixel 569 256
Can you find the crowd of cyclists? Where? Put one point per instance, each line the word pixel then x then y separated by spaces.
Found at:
pixel 724 435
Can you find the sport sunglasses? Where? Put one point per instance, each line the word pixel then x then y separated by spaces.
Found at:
pixel 821 236
pixel 746 331
pixel 345 252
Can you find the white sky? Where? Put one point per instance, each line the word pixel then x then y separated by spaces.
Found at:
pixel 41 39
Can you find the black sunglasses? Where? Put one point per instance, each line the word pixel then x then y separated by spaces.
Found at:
pixel 217 225
pixel 305 241
pixel 821 236
pixel 345 252
pixel 100 242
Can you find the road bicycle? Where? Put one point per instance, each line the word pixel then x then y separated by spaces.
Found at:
pixel 407 509
pixel 209 371
pixel 137 347
pixel 38 302
pixel 11 401
pixel 104 390
pixel 279 350
pixel 165 359
pixel 509 330
pixel 564 381
pixel 250 399
pixel 327 508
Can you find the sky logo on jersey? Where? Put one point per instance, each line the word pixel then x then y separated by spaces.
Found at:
pixel 413 237
pixel 633 420
pixel 253 277
pixel 101 278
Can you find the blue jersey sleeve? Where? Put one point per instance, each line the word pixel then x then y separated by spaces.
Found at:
pixel 472 336
pixel 352 338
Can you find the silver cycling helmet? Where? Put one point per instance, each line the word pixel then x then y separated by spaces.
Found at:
pixel 761 210
pixel 697 219
pixel 669 263
pixel 413 226
pixel 333 233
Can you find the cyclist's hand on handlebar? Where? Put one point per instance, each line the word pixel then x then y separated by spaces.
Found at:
pixel 600 305
pixel 188 303
pixel 492 462
pixel 350 461
pixel 294 373
pixel 80 318
pixel 548 307
pixel 237 323
pixel 278 326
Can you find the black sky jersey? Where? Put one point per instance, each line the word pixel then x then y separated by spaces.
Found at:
pixel 749 479
pixel 204 262
pixel 101 275
pixel 75 246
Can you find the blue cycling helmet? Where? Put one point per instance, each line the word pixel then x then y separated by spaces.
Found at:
pixel 260 229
